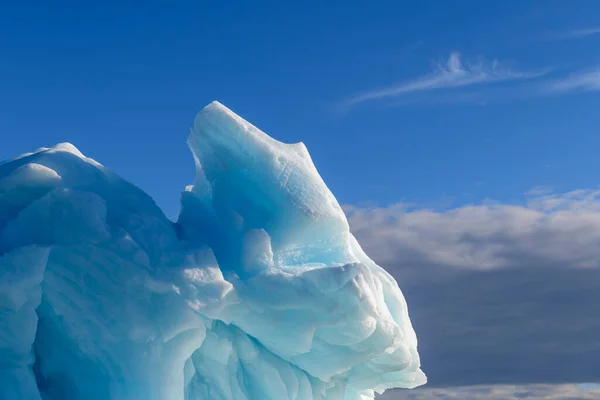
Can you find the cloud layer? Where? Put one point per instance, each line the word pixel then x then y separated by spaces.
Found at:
pixel 498 293
pixel 551 229
pixel 498 392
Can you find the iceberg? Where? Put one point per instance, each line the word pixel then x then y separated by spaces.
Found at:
pixel 258 291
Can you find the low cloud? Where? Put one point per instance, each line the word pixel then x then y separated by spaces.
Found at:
pixel 498 392
pixel 551 229
pixel 499 294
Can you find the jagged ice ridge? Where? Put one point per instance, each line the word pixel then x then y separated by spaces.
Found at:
pixel 259 290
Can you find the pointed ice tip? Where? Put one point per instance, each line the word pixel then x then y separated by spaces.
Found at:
pixel 214 112
pixel 215 105
pixel 218 107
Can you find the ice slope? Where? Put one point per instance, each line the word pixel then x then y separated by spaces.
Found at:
pixel 257 292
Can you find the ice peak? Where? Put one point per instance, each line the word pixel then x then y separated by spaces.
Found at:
pixel 259 291
pixel 71 149
pixel 68 147
pixel 218 105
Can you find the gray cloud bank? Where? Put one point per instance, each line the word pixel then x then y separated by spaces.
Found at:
pixel 498 294
pixel 498 392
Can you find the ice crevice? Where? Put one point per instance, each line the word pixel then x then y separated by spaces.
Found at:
pixel 258 291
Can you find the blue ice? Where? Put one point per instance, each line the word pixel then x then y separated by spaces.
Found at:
pixel 259 291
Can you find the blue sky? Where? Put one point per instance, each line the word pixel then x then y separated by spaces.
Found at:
pixel 123 82
pixel 416 115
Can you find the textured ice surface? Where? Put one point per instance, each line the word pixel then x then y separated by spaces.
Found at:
pixel 257 292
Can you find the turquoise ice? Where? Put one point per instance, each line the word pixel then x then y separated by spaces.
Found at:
pixel 259 291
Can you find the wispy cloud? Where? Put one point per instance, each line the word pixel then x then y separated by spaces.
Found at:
pixel 580 33
pixel 588 80
pixel 453 74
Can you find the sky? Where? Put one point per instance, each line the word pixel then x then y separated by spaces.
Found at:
pixel 461 136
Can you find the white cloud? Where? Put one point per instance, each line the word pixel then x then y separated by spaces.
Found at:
pixel 497 392
pixel 580 33
pixel 453 74
pixel 556 229
pixel 588 80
